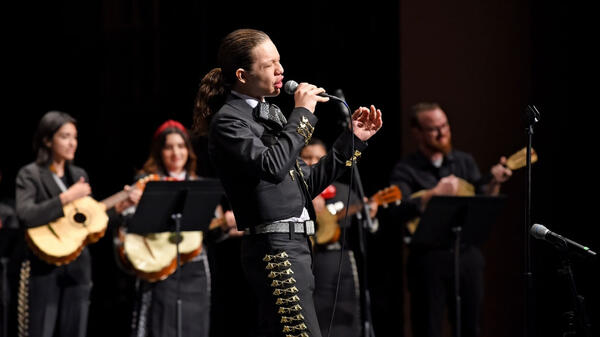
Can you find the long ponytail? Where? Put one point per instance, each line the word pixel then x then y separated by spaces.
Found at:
pixel 235 52
pixel 210 97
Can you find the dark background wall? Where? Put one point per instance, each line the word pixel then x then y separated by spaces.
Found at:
pixel 122 68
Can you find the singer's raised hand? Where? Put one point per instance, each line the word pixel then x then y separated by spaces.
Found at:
pixel 307 96
pixel 366 122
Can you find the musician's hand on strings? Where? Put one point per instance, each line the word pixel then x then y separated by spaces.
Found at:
pixel 78 190
pixel 500 172
pixel 133 198
pixel 230 225
pixel 319 204
pixel 372 207
pixel 447 186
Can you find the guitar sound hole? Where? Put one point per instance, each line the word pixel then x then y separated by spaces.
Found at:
pixel 175 239
pixel 79 217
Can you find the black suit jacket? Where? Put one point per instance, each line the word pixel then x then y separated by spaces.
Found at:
pixel 258 163
pixel 37 201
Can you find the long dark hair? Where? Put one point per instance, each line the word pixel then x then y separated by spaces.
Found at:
pixel 154 163
pixel 47 127
pixel 234 53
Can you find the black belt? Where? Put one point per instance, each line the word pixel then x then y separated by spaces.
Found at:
pixel 305 227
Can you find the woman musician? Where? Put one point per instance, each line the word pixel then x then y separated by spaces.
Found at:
pixel 171 158
pixel 53 299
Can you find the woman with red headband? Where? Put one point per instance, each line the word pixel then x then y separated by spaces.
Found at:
pixel 172 158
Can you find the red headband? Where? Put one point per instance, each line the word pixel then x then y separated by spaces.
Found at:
pixel 169 124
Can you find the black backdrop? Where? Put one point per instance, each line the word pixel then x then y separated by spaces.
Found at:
pixel 122 68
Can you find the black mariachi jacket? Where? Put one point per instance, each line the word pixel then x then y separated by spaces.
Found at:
pixel 38 203
pixel 258 162
pixel 37 194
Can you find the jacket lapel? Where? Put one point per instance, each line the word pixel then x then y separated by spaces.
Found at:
pixel 48 182
pixel 75 173
pixel 246 113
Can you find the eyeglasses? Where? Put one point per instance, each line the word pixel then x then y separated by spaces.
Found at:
pixel 436 129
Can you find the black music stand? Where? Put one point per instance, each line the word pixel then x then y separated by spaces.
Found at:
pixel 450 220
pixel 175 206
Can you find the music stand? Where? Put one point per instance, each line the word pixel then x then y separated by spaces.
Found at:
pixel 173 206
pixel 450 220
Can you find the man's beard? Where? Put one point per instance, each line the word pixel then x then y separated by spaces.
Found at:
pixel 436 146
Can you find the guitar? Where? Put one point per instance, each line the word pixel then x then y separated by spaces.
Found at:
pixel 84 222
pixel 153 257
pixel 328 230
pixel 465 189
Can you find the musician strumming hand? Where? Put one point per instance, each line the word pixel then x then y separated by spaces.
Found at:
pixel 52 298
pixel 438 169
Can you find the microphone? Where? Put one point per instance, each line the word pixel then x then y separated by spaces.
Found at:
pixel 291 86
pixel 541 232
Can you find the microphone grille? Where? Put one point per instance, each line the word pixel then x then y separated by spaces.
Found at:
pixel 290 87
pixel 538 231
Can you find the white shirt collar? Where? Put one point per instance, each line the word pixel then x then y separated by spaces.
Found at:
pixel 178 176
pixel 438 162
pixel 252 101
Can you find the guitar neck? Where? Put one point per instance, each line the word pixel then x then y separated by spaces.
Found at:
pixel 114 199
pixel 385 197
pixel 353 209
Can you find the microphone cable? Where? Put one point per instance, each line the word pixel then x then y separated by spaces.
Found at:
pixel 343 229
pixel 290 87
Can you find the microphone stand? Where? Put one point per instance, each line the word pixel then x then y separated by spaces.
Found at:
pixel 582 325
pixel 178 304
pixel 533 116
pixel 578 322
pixel 365 223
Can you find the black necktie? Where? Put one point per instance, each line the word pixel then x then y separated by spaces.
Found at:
pixel 270 112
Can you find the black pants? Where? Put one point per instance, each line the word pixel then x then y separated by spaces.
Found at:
pixel 346 322
pixel 156 310
pixel 279 270
pixel 431 285
pixel 58 297
pixel 232 297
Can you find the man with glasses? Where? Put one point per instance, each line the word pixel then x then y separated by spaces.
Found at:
pixel 436 169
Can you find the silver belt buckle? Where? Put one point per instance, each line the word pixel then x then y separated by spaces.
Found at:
pixel 309 227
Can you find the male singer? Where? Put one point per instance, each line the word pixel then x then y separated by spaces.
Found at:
pixel 255 150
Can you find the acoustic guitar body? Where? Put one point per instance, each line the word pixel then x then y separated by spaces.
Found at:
pixel 153 257
pixel 61 241
pixel 328 228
